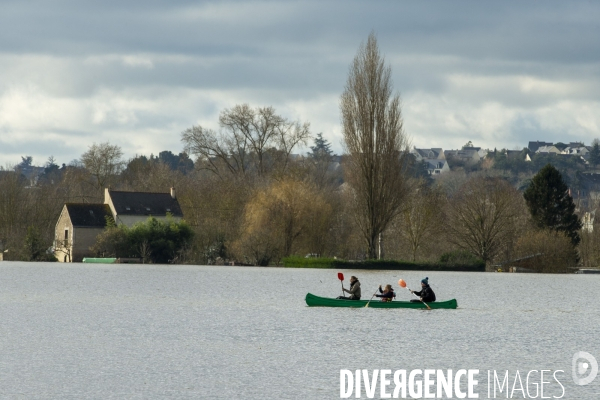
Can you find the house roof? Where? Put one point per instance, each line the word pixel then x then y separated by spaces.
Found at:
pixel 533 146
pixel 140 203
pixel 548 149
pixel 433 153
pixel 467 154
pixel 88 215
pixel 435 164
pixel 515 154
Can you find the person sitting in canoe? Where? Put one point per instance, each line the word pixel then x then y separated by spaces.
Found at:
pixel 426 294
pixel 387 294
pixel 354 290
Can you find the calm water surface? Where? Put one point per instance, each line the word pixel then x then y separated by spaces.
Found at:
pixel 197 332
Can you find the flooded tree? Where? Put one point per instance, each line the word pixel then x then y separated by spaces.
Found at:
pixel 545 250
pixel 484 217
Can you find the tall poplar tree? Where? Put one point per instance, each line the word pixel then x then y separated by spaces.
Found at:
pixel 375 142
pixel 550 204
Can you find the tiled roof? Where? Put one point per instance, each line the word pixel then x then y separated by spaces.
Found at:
pixel 140 203
pixel 533 146
pixel 88 215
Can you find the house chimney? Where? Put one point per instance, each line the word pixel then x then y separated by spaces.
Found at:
pixel 173 192
pixel 106 195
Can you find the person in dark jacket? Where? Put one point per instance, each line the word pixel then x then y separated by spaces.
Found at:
pixel 426 294
pixel 387 294
pixel 354 290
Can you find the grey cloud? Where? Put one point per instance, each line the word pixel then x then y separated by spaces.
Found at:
pixel 449 59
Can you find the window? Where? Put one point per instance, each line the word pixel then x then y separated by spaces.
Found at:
pixel 66 234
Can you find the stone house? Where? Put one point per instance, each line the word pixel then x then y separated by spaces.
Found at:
pixel 79 224
pixel 77 229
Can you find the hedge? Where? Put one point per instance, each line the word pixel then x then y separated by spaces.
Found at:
pixel 301 262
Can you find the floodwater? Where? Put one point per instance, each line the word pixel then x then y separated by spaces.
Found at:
pixel 201 332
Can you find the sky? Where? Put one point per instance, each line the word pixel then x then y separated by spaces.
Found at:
pixel 138 73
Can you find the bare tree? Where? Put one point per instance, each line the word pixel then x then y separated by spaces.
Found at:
pixel 103 161
pixel 375 141
pixel 247 137
pixel 485 216
pixel 421 217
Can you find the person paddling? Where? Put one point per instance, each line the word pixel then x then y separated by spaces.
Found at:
pixel 354 290
pixel 387 294
pixel 426 294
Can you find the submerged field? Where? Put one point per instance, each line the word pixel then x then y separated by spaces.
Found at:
pixel 156 331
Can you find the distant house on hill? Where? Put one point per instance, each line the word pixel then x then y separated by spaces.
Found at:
pixel 431 154
pixel 437 167
pixel 577 149
pixel 469 155
pixel 516 154
pixel 548 150
pixel 434 159
pixel 482 152
pixel 79 224
pixel 534 146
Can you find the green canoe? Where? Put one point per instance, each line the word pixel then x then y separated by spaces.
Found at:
pixel 316 301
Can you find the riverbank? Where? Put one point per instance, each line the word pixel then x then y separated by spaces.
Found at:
pixel 333 263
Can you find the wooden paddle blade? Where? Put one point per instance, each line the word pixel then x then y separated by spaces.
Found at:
pixel 340 276
pixel 402 283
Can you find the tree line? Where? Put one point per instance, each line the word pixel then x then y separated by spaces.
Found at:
pixel 250 197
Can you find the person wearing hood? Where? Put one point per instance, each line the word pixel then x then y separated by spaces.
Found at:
pixel 426 294
pixel 354 290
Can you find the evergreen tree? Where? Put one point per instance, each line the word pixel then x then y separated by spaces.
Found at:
pixel 550 204
pixel 321 148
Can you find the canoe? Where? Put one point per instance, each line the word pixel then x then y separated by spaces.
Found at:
pixel 316 301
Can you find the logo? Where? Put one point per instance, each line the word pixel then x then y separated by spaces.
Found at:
pixel 583 363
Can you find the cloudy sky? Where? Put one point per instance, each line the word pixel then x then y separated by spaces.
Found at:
pixel 138 73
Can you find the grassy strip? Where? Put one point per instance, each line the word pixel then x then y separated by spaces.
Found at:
pixel 300 262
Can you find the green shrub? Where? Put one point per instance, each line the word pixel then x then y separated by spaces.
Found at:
pixel 459 257
pixel 154 241
pixel 300 262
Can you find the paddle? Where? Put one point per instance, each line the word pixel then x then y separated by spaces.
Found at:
pixel 341 278
pixel 403 284
pixel 367 305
